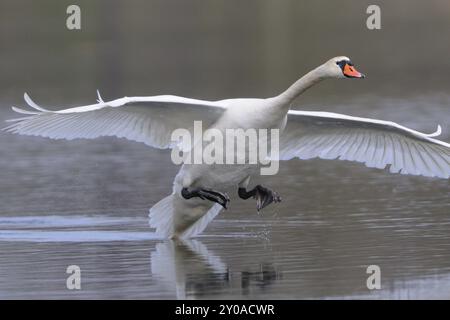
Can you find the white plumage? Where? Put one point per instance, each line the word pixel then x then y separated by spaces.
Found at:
pixel 375 143
pixel 150 120
pixel 305 135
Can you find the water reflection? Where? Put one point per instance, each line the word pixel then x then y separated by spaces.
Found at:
pixel 261 279
pixel 196 272
pixel 293 260
pixel 431 287
pixel 188 265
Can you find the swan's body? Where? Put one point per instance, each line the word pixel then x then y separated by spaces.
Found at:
pixel 303 135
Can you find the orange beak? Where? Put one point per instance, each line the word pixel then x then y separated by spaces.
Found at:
pixel 351 72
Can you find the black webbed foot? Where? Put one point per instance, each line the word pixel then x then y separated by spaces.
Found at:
pixel 206 194
pixel 264 196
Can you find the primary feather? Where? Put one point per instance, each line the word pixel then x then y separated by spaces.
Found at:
pixel 375 143
pixel 150 120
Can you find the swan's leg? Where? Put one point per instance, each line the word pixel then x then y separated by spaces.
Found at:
pixel 264 196
pixel 206 194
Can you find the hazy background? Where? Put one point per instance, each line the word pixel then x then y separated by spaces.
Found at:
pixel 218 49
pixel 86 202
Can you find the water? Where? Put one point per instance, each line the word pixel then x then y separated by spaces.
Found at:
pixel 86 203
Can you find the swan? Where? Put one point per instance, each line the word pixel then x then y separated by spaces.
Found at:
pixel 200 190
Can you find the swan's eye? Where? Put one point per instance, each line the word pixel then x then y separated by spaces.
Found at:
pixel 342 63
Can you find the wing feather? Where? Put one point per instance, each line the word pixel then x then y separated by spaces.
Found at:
pixel 375 143
pixel 150 120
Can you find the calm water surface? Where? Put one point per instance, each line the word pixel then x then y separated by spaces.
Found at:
pixel 86 203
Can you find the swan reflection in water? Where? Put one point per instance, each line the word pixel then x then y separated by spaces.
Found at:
pixel 195 271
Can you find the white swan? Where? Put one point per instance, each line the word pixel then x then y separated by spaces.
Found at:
pixel 198 192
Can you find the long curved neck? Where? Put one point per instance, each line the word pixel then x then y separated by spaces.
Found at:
pixel 301 85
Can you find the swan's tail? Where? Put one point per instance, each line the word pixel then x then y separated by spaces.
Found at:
pixel 173 217
pixel 161 217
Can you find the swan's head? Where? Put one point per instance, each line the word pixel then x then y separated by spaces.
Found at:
pixel 341 67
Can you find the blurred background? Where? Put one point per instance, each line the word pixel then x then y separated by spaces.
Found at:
pixel 218 49
pixel 86 202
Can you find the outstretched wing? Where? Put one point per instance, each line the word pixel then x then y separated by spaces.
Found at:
pixel 375 143
pixel 150 120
